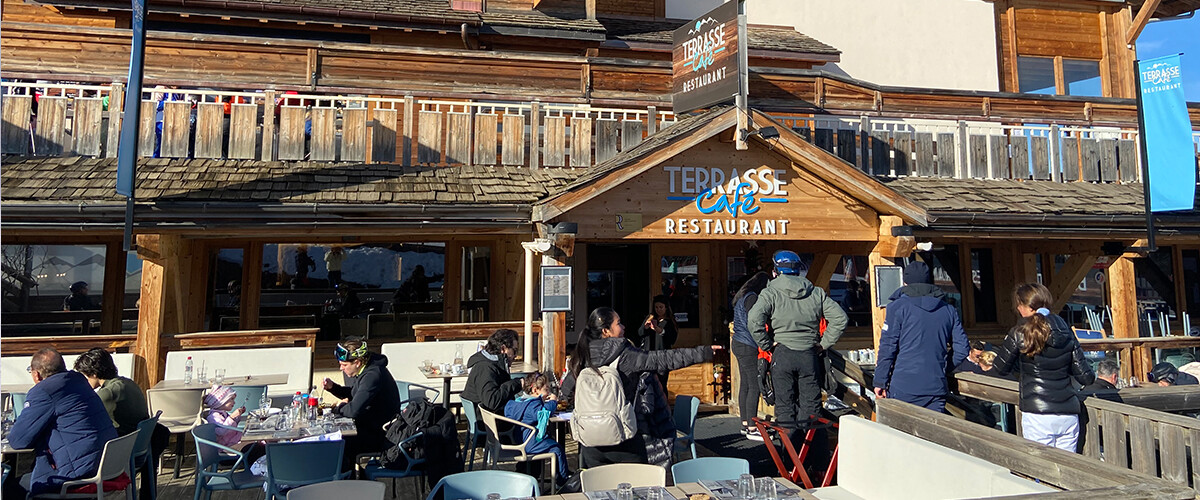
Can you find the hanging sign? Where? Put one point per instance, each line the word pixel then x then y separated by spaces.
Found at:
pixel 705 60
pixel 1168 135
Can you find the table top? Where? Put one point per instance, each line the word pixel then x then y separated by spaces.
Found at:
pixel 522 368
pixel 230 380
pixel 255 432
pixel 6 449
pixel 681 492
pixel 16 388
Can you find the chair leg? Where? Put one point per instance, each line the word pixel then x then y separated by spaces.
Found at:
pixel 178 453
pixel 693 444
pixel 199 487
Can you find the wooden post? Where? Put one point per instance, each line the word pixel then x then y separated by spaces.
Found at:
pixel 1122 297
pixel 887 249
pixel 406 144
pixel 877 313
pixel 113 303
pixel 252 255
pixel 554 324
pixel 116 99
pixel 535 134
pixel 173 288
pixel 268 126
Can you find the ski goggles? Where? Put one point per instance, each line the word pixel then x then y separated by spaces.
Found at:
pixel 344 354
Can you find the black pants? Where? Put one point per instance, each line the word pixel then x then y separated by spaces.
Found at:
pixel 798 398
pixel 631 451
pixel 748 390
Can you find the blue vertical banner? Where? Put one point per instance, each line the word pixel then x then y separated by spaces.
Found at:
pixel 1167 133
pixel 127 148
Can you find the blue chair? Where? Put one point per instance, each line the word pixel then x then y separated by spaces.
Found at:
pixel 711 468
pixel 1093 356
pixel 477 484
pixel 409 390
pixel 301 463
pixel 208 458
pixel 475 432
pixel 374 470
pixel 143 458
pixel 18 402
pixel 685 411
pixel 248 396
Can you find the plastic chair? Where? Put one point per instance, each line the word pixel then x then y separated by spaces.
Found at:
pixel 179 411
pixel 711 468
pixel 685 411
pixel 209 478
pixel 514 452
pixel 408 392
pixel 141 457
pixel 349 489
pixel 477 484
pixel 248 396
pixel 474 431
pixel 18 402
pixel 303 463
pixel 374 470
pixel 114 462
pixel 607 477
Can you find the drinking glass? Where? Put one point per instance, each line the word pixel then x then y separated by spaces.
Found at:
pixel 219 376
pixel 264 403
pixel 201 374
pixel 624 491
pixel 766 489
pixel 654 493
pixel 746 486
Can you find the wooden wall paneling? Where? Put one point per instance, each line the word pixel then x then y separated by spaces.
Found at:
pixel 1040 148
pixel 925 167
pixel 998 157
pixel 979 156
pixel 243 131
pixel 17 112
pixel 354 134
pixel 323 142
pixel 631 134
pixel 555 151
pixel 1173 453
pixel 429 137
pixel 881 155
pixel 846 146
pixel 1062 30
pixel 210 124
pixel 945 154
pixel 902 148
pixel 1127 160
pixel 458 138
pixel 383 137
pixel 513 143
pixel 606 139
pixel 1070 158
pixel 823 138
pixel 1141 444
pixel 1020 156
pixel 291 133
pixel 51 134
pixel 176 129
pixel 269 139
pixel 85 127
pixel 486 131
pixel 581 141
pixel 116 109
pixel 1108 160
pixel 1089 153
pixel 146 129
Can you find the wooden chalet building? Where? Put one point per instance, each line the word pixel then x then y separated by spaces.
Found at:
pixel 409 148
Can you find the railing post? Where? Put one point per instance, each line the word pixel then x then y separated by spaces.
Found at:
pixel 268 126
pixel 1055 154
pixel 535 123
pixel 651 120
pixel 864 148
pixel 406 143
pixel 116 100
pixel 961 166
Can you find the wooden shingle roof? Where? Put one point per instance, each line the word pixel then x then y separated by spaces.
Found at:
pixel 1011 197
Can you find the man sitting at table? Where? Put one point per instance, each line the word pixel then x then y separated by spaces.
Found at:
pixel 490 385
pixel 369 396
pixel 64 421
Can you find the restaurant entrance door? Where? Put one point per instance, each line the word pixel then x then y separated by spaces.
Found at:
pixel 617 277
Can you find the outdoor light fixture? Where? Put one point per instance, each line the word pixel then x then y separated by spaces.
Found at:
pixel 767 133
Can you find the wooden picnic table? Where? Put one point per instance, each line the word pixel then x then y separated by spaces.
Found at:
pixel 230 380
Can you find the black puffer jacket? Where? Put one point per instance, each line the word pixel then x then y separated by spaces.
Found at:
pixel 1045 379
pixel 655 422
pixel 490 385
pixel 635 361
pixel 374 398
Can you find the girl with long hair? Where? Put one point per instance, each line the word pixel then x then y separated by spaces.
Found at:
pixel 746 352
pixel 1047 357
pixel 601 343
pixel 659 330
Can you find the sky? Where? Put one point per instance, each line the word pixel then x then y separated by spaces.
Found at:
pixel 1163 38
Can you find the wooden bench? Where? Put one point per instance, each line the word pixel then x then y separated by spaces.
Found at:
pixel 12 368
pixel 470 331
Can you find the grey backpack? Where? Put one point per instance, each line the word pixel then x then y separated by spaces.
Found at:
pixel 602 417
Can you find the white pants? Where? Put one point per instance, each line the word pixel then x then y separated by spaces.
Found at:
pixel 1059 431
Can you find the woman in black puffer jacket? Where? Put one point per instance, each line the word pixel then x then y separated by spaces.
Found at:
pixel 1049 358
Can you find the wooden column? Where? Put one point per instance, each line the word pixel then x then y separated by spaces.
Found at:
pixel 113 303
pixel 1010 265
pixel 967 285
pixel 452 284
pixel 173 288
pixel 1122 297
pixel 1068 278
pixel 824 264
pixel 268 126
pixel 554 324
pixel 252 255
pixel 887 249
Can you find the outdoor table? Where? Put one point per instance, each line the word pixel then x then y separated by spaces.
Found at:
pixel 515 368
pixel 234 380
pixel 787 490
pixel 255 432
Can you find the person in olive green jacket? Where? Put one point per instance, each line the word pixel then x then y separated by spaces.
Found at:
pixel 124 400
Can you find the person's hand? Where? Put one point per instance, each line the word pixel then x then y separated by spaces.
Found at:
pixel 344 401
pixel 717 347
pixel 880 392
pixel 551 397
pixel 327 384
pixel 238 412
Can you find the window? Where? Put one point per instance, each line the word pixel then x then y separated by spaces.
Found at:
pixel 1036 75
pixel 476 276
pixel 39 298
pixel 1082 77
pixel 225 290
pixel 1040 75
pixel 681 285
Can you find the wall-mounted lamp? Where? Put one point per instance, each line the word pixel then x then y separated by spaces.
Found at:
pixel 767 133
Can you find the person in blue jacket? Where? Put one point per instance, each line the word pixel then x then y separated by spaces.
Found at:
pixel 64 421
pixel 913 347
pixel 534 408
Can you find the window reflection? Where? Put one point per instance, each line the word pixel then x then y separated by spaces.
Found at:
pixel 681 285
pixel 52 289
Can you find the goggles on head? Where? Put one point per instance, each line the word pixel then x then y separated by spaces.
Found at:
pixel 347 355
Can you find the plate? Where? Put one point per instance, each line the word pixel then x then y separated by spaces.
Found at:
pixel 265 412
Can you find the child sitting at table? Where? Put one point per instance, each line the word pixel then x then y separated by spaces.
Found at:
pixel 220 412
pixel 534 407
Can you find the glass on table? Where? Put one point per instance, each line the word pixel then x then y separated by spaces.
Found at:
pixel 202 374
pixel 746 486
pixel 654 493
pixel 219 376
pixel 624 491
pixel 766 489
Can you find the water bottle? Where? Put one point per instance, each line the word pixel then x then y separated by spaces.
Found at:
pixel 458 355
pixel 294 410
pixel 312 410
pixel 187 371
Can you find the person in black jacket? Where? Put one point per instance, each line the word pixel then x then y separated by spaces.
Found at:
pixel 1044 352
pixel 1165 375
pixel 913 354
pixel 600 344
pixel 369 396
pixel 489 385
pixel 1106 377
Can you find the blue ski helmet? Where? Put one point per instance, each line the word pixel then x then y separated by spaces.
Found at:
pixel 787 262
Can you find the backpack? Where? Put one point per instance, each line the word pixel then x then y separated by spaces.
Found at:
pixel 603 417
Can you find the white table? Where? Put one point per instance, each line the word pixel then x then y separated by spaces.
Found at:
pixel 16 388
pixel 234 380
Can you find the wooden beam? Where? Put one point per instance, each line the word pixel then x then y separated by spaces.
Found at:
pixel 113 303
pixel 893 246
pixel 878 314
pixel 823 266
pixel 1067 279
pixel 172 301
pixel 1143 16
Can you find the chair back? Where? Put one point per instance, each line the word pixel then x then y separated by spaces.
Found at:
pixel 176 407
pixel 207 452
pixel 357 490
pixel 145 430
pixel 301 463
pixel 491 422
pixel 472 413
pixel 248 396
pixel 18 402
pixel 477 484
pixel 712 468
pixel 607 477
pixel 409 390
pixel 685 411
pixel 115 459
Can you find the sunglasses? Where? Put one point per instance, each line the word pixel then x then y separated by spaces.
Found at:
pixel 347 355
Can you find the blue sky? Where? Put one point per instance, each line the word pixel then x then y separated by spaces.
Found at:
pixel 1171 37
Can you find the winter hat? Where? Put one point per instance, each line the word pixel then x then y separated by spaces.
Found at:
pixel 917 272
pixel 219 396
